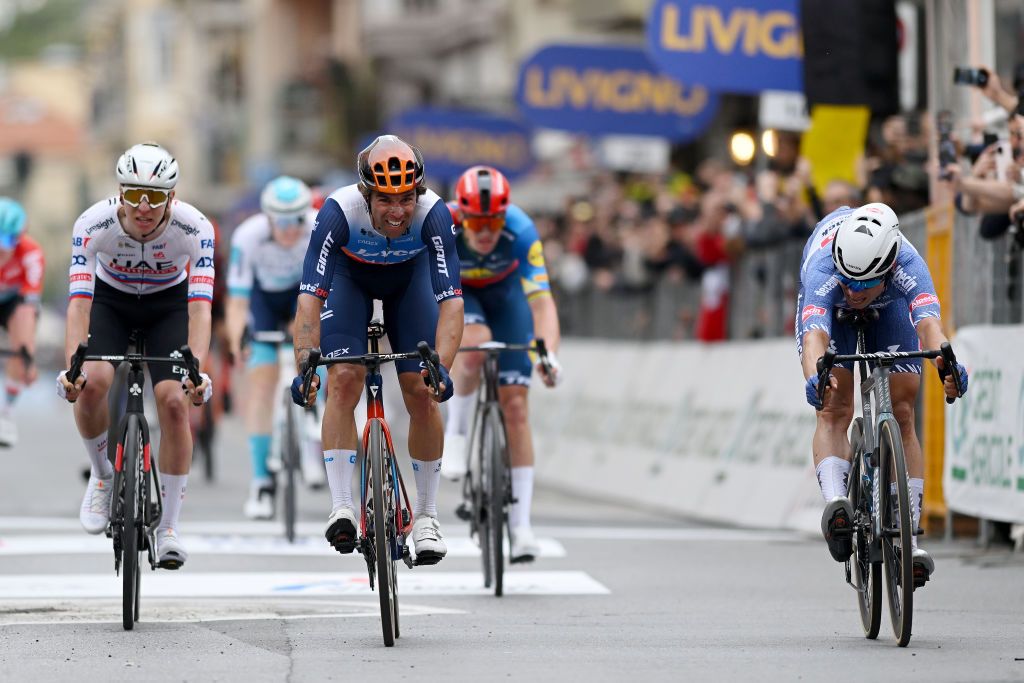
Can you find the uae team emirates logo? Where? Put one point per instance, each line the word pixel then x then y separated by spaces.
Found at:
pixel 810 312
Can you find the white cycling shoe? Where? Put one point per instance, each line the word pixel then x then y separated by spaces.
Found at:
pixel 341 530
pixel 171 554
pixel 427 540
pixel 524 545
pixel 95 512
pixel 8 432
pixel 260 504
pixel 455 457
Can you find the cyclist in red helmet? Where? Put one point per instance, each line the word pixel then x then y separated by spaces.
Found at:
pixel 507 298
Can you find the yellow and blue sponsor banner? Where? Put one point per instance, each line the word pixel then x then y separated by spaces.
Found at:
pixel 736 46
pixel 452 140
pixel 609 90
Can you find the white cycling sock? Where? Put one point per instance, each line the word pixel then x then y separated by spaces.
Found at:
pixel 428 475
pixel 522 492
pixel 916 499
pixel 340 463
pixel 172 492
pixel 96 449
pixel 459 409
pixel 833 473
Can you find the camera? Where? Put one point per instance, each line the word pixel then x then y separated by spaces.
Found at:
pixel 947 148
pixel 965 75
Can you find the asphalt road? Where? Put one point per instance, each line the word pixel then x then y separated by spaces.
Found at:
pixel 619 594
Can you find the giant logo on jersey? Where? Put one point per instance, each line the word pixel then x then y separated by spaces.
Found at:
pixel 325 250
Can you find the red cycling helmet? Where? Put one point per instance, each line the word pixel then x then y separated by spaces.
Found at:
pixel 482 191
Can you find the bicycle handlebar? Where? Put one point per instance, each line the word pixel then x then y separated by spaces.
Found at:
pixel 187 359
pixel 493 347
pixel 431 361
pixel 423 351
pixel 830 358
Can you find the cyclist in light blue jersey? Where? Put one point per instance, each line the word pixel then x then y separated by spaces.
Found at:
pixel 508 299
pixel 856 259
pixel 267 253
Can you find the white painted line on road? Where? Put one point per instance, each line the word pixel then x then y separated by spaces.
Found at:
pixel 245 528
pixel 293 584
pixel 170 610
pixel 198 544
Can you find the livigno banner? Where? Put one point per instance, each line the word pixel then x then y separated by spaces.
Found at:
pixel 601 90
pixel 737 46
pixel 984 463
pixel 452 140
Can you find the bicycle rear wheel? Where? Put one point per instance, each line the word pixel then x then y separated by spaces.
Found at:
pixel 897 550
pixel 866 576
pixel 131 522
pixel 383 530
pixel 495 461
pixel 289 461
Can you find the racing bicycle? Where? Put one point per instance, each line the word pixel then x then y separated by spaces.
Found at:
pixel 385 515
pixel 881 528
pixel 487 487
pixel 137 507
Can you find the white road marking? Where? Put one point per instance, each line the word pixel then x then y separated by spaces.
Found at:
pixel 293 584
pixel 315 529
pixel 170 610
pixel 200 544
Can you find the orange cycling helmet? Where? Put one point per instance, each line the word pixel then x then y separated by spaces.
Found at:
pixel 390 165
pixel 482 191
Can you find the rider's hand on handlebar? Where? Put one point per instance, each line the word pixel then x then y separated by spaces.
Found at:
pixel 555 368
pixel 201 394
pixel 811 389
pixel 947 378
pixel 68 391
pixel 310 399
pixel 447 385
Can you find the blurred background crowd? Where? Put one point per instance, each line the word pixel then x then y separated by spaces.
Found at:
pixel 646 237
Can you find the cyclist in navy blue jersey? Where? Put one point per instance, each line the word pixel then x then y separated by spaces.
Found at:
pixel 390 238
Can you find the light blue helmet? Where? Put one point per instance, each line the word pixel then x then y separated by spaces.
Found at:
pixel 286 199
pixel 12 223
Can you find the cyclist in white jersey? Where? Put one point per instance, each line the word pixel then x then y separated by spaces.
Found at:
pixel 140 260
pixel 267 253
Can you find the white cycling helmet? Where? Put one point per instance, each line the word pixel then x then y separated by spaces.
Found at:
pixel 286 199
pixel 147 165
pixel 867 242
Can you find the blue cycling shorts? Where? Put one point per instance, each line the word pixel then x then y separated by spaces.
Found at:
pixel 503 308
pixel 410 310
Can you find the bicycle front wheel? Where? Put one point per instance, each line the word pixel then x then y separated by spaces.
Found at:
pixel 131 521
pixel 897 533
pixel 384 534
pixel 478 490
pixel 495 459
pixel 866 576
pixel 289 461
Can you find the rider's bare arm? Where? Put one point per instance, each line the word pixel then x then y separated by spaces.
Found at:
pixel 815 345
pixel 307 327
pixel 77 329
pixel 545 320
pixel 200 320
pixel 450 323
pixel 235 315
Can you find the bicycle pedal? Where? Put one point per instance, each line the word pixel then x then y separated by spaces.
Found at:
pixel 463 512
pixel 425 559
pixel 170 563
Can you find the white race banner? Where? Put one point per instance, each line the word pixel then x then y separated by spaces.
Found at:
pixel 984 464
pixel 718 431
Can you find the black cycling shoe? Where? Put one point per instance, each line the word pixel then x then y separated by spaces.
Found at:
pixel 837 528
pixel 341 530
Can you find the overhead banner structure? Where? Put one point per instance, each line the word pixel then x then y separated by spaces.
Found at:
pixel 452 140
pixel 735 46
pixel 984 463
pixel 600 90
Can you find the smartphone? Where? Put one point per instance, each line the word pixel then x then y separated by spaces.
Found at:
pixel 965 75
pixel 1004 157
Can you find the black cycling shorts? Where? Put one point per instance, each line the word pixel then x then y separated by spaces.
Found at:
pixel 7 308
pixel 161 317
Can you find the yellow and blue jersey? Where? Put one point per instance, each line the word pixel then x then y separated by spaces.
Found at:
pixel 518 254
